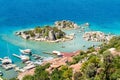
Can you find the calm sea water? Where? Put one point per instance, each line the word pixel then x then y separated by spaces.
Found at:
pixel 103 15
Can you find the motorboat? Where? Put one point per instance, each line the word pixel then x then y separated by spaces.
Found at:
pixel 6 60
pixel 24 58
pixel 25 51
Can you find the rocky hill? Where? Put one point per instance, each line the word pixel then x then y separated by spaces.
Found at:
pixel 66 24
pixel 45 33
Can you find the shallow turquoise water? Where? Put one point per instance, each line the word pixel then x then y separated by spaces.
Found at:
pixel 17 15
pixel 13 43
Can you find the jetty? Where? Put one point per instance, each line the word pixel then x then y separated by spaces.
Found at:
pixel 48 53
pixel 24 58
pixel 16 56
pixel 36 56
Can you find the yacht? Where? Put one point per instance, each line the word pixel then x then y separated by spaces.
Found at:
pixel 26 51
pixel 24 58
pixel 6 60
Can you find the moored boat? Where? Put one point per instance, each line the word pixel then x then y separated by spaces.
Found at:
pixel 26 51
pixel 6 60
pixel 24 58
pixel 1 73
pixel 7 63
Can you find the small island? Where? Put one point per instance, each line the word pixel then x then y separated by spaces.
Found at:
pixel 66 25
pixel 97 36
pixel 56 33
pixel 46 33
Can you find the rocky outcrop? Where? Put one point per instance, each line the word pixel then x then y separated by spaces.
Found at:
pixel 66 25
pixel 18 33
pixel 47 33
pixel 97 36
pixel 52 35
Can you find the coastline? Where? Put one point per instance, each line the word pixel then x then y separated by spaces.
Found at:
pixel 54 62
pixel 25 15
pixel 53 33
pixel 78 43
pixel 67 59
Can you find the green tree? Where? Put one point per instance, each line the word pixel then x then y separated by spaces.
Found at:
pixel 38 30
pixel 77 76
pixel 28 77
pixel 97 78
pixel 108 58
pixel 66 73
pixel 31 33
pixel 56 75
pixel 41 73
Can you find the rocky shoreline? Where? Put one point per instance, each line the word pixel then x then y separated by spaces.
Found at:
pixel 55 33
pixel 51 33
pixel 47 33
pixel 66 25
pixel 97 36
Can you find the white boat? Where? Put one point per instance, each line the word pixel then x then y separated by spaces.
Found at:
pixel 24 58
pixel 56 52
pixel 26 51
pixel 7 63
pixel 6 60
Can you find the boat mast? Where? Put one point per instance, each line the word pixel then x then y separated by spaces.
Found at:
pixel 8 51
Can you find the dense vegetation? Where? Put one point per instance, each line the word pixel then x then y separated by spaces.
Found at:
pixel 78 58
pixel 106 67
pixel 103 66
pixel 40 73
pixel 113 43
pixel 100 66
pixel 64 73
pixel 45 32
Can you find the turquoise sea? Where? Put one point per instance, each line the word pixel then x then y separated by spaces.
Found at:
pixel 15 15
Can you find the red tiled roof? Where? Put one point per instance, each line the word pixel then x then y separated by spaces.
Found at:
pixel 69 54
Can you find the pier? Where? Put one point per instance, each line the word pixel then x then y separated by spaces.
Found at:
pixel 16 56
pixel 48 53
pixel 22 57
